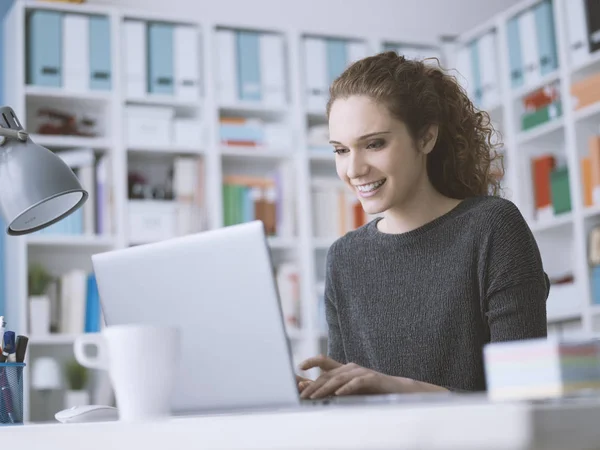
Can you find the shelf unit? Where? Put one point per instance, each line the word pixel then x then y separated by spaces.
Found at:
pixel 563 238
pixel 63 253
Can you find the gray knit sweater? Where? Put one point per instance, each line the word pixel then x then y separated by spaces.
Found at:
pixel 423 303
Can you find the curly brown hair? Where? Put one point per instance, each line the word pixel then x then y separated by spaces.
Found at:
pixel 462 161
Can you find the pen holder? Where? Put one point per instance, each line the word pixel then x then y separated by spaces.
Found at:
pixel 11 393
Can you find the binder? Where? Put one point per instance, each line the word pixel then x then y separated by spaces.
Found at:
pixel 100 54
pixel 531 59
pixel 160 58
pixel 336 58
pixel 186 62
pixel 134 58
pixel 546 37
pixel 44 48
pixel 577 31
pixel 248 57
pixel 515 55
pixel 488 70
pixel 226 63
pixel 272 69
pixel 75 53
pixel 315 66
pixel 465 71
pixel 476 73
pixel 592 8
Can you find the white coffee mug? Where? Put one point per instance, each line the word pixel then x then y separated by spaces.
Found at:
pixel 141 361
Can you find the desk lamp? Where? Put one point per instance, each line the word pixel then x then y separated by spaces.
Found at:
pixel 37 188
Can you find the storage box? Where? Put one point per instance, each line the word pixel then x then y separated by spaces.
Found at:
pixel 187 132
pixel 151 220
pixel 148 126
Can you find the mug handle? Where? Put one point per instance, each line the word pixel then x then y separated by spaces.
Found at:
pixel 100 361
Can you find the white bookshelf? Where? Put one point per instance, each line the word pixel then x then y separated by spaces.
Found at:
pixel 563 239
pixel 63 253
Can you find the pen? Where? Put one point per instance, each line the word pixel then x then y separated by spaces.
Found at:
pixel 2 328
pixel 21 348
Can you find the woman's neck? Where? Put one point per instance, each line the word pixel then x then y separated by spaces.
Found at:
pixel 423 206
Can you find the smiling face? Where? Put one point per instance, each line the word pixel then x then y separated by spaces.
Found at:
pixel 375 154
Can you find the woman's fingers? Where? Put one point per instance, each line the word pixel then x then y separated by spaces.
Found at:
pixel 324 378
pixel 322 362
pixel 336 382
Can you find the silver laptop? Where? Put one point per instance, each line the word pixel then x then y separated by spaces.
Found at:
pixel 218 287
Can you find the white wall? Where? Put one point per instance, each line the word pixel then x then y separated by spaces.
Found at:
pixel 412 21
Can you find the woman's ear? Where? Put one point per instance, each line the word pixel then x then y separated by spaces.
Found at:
pixel 429 138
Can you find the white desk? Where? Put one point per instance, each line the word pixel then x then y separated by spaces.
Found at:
pixel 469 424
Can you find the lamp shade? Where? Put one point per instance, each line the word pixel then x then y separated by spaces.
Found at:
pixel 37 188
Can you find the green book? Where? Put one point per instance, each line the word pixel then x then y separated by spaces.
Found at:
pixel 541 116
pixel 559 188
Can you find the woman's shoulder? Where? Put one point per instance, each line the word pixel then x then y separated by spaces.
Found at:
pixel 494 212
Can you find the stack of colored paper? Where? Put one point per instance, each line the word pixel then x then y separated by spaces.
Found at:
pixel 541 368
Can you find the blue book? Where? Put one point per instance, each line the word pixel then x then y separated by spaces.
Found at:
pixel 160 59
pixel 92 306
pixel 515 56
pixel 476 73
pixel 336 58
pixel 44 48
pixel 546 37
pixel 248 59
pixel 100 61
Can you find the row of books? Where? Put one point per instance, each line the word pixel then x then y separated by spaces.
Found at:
pixel 70 305
pixel 336 210
pixel 590 172
pixel 551 192
pixel 251 67
pixel 270 199
pixel 95 217
pixel 541 106
pixel 254 132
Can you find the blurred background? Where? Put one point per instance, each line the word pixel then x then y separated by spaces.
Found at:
pixel 187 115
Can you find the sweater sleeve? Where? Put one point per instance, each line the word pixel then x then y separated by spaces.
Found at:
pixel 516 287
pixel 335 348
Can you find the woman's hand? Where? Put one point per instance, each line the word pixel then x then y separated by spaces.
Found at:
pixel 351 379
pixel 302 382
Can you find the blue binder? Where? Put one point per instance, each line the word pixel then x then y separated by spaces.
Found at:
pixel 476 73
pixel 160 59
pixel 336 58
pixel 100 61
pixel 546 38
pixel 514 52
pixel 248 58
pixel 44 48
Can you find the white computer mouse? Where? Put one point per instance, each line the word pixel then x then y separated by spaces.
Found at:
pixel 87 413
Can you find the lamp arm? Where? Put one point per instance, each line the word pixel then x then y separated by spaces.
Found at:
pixel 21 135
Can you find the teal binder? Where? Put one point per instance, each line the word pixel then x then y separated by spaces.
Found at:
pixel 514 52
pixel 44 48
pixel 160 59
pixel 476 73
pixel 546 38
pixel 248 59
pixel 100 61
pixel 336 58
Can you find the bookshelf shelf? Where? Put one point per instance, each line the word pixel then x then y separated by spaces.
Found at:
pixel 63 142
pixel 162 100
pixel 58 93
pixel 173 149
pixel 547 131
pixel 253 152
pixel 90 242
pixel 553 223
pixel 588 112
pixel 53 339
pixel 543 81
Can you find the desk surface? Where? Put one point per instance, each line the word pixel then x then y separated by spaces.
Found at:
pixel 464 423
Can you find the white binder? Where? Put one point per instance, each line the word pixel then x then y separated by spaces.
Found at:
pixel 272 69
pixel 465 71
pixel 225 58
pixel 134 58
pixel 488 70
pixel 356 51
pixel 579 48
pixel 315 64
pixel 75 54
pixel 186 62
pixel 529 48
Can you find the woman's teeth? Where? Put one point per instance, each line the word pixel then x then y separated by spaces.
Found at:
pixel 370 187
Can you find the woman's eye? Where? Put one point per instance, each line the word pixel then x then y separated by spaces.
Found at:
pixel 376 144
pixel 339 150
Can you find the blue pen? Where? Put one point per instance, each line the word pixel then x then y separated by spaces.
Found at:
pixel 8 346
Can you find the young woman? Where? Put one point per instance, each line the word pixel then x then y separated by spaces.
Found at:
pixel 413 296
